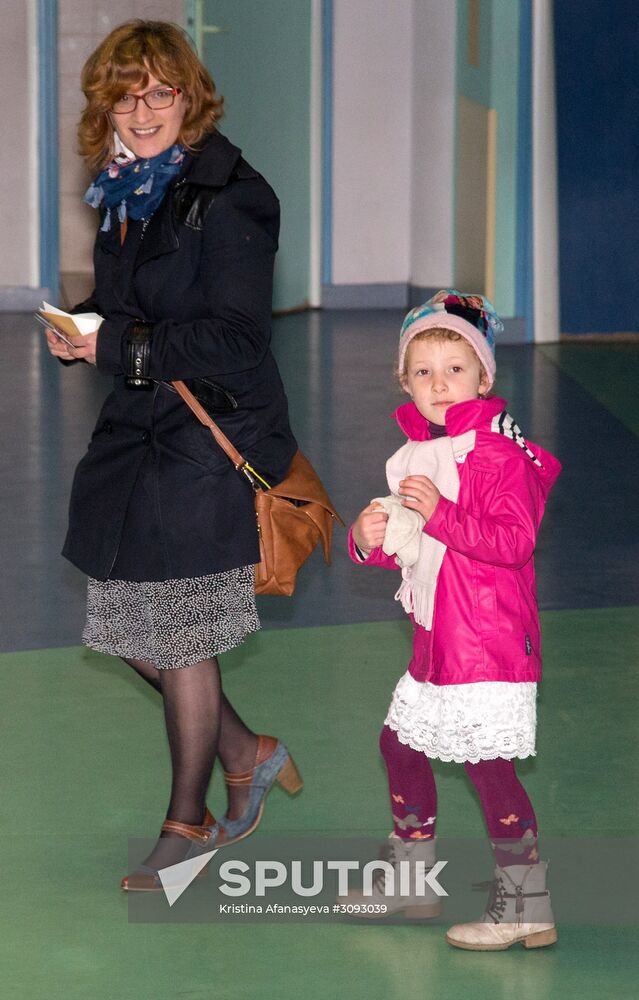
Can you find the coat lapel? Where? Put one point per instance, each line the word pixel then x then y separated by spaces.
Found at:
pixel 160 236
pixel 210 168
pixel 109 241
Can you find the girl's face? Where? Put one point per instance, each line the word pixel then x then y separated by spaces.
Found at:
pixel 148 133
pixel 440 373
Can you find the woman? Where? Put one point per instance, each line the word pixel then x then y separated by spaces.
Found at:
pixel 160 520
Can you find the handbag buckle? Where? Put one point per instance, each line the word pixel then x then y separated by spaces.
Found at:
pixel 253 477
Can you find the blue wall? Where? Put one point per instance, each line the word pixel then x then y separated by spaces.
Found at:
pixel 597 60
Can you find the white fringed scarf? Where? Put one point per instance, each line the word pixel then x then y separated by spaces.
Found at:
pixel 419 555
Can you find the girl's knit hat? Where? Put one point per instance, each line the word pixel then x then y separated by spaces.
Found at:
pixel 472 316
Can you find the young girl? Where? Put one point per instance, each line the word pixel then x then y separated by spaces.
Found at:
pixel 467 496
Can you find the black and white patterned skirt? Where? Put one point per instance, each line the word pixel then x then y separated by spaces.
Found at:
pixel 171 623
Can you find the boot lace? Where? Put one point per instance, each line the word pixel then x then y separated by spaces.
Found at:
pixel 394 851
pixel 390 852
pixel 496 898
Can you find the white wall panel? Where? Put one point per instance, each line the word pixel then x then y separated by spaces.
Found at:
pixel 372 70
pixel 18 201
pixel 433 151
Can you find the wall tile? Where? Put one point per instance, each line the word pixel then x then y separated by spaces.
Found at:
pixel 109 14
pixel 70 98
pixel 161 10
pixel 78 225
pixel 82 25
pixel 75 17
pixel 74 177
pixel 73 51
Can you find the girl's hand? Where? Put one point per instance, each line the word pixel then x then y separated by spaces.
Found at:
pixel 369 528
pixel 420 494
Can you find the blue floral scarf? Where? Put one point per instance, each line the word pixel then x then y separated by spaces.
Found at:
pixel 134 187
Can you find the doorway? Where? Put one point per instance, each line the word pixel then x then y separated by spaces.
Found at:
pixel 261 57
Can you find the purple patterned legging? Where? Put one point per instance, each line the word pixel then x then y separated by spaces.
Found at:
pixel 509 815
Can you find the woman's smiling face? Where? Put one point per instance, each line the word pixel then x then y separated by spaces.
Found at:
pixel 146 132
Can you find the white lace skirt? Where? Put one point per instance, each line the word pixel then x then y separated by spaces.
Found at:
pixel 465 722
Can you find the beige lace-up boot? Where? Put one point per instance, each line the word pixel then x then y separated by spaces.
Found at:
pixel 518 910
pixel 415 907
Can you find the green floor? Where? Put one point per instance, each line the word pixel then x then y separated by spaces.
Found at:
pixel 609 372
pixel 85 768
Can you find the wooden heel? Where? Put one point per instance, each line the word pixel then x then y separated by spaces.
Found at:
pixel 541 938
pixel 289 777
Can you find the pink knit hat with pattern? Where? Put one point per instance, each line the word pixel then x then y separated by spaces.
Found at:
pixel 471 316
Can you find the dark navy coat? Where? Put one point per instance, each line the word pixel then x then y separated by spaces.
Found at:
pixel 155 498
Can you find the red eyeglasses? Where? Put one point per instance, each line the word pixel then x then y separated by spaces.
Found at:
pixel 156 100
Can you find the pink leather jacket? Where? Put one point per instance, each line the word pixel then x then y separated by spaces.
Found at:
pixel 485 622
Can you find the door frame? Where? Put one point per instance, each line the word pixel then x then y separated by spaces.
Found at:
pixel 46 29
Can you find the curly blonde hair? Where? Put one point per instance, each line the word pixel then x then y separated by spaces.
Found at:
pixel 124 60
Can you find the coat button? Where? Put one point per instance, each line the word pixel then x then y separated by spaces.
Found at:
pixel 107 427
pixel 146 437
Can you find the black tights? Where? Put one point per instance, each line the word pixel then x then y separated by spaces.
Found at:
pixel 201 725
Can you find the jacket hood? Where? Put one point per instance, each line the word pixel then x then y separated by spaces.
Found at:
pixel 212 162
pixel 478 414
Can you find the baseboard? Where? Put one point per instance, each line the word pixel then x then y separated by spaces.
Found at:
pixel 405 296
pixel 420 293
pixel 514 331
pixel 382 296
pixel 393 295
pixel 19 298
pixel 630 337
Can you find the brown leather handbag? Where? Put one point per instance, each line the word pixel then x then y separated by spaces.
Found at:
pixel 292 517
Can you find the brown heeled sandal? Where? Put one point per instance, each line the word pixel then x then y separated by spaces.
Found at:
pixel 146 879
